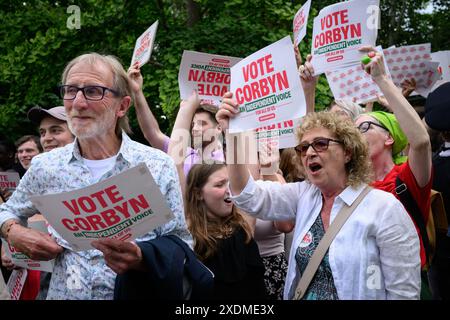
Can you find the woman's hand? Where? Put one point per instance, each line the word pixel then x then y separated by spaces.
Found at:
pixel 135 78
pixel 307 78
pixel 228 109
pixel 376 65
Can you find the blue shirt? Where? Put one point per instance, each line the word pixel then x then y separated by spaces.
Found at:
pixel 84 275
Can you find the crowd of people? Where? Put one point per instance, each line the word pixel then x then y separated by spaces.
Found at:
pixel 346 214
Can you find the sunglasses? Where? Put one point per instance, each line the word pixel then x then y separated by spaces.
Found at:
pixel 318 144
pixel 365 126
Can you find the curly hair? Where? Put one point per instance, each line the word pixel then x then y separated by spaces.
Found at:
pixel 359 167
pixel 204 230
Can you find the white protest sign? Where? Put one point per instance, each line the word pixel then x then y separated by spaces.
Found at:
pixel 16 282
pixel 300 22
pixel 340 30
pixel 443 57
pixel 9 180
pixel 144 45
pixel 122 207
pixel 413 61
pixel 427 83
pixel 354 84
pixel 208 74
pixel 267 87
pixel 279 135
pixel 21 260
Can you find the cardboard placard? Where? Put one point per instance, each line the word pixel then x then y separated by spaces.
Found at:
pixel 16 282
pixel 9 180
pixel 354 83
pixel 300 22
pixel 278 135
pixel 122 207
pixel 208 74
pixel 340 30
pixel 144 45
pixel 412 61
pixel 267 88
pixel 443 58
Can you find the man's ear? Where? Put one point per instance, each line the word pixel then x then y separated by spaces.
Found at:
pixel 125 104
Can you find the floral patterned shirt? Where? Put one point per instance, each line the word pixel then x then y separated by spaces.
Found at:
pixel 84 275
pixel 322 284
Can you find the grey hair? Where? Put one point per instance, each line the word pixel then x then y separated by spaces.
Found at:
pixel 120 80
pixel 352 109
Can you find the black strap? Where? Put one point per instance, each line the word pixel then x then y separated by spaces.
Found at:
pixel 413 209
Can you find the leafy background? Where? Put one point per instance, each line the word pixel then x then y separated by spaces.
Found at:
pixel 35 43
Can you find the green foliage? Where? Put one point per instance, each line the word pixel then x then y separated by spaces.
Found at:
pixel 36 43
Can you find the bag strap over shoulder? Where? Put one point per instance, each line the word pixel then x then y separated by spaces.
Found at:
pixel 325 243
pixel 413 209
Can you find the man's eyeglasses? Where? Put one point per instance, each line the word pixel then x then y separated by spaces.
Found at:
pixel 319 145
pixel 93 93
pixel 364 126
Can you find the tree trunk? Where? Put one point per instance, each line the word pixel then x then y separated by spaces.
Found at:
pixel 193 10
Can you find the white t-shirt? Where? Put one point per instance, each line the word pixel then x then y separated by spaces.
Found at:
pixel 99 167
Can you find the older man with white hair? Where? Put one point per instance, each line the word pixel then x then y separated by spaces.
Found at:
pixel 96 96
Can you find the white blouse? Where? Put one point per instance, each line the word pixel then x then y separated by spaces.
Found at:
pixel 374 256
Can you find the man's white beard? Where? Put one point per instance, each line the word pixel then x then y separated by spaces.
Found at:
pixel 96 128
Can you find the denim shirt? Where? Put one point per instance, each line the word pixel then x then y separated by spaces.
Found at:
pixel 374 256
pixel 84 275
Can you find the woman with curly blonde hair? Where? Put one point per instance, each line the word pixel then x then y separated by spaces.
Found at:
pixel 375 255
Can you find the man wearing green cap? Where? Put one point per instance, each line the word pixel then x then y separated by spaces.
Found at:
pixel 387 135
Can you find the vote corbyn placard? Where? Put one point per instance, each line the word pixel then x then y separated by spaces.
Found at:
pixel 300 22
pixel 21 260
pixel 340 30
pixel 16 283
pixel 144 45
pixel 208 74
pixel 267 87
pixel 9 180
pixel 279 135
pixel 122 207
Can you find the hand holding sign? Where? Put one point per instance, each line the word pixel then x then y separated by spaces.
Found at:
pixel 120 256
pixel 6 261
pixel 192 102
pixel 306 72
pixel 5 193
pixel 228 109
pixel 408 86
pixel 35 244
pixel 376 66
pixel 135 78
